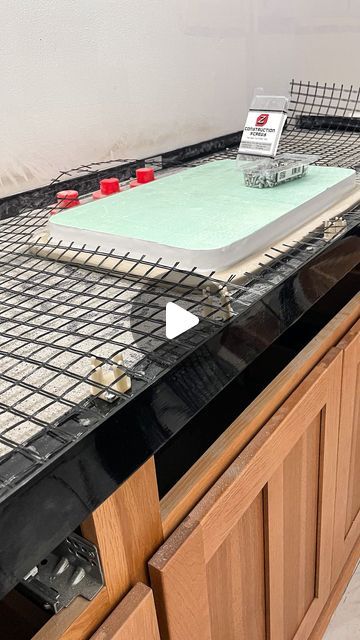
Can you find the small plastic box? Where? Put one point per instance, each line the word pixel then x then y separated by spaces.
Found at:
pixel 270 172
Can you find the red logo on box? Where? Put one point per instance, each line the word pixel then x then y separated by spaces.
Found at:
pixel 262 119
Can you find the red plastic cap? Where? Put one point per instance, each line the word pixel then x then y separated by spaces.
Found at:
pixel 67 194
pixel 109 185
pixel 145 175
pixel 67 198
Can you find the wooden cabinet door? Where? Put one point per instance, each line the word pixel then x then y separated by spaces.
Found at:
pixel 133 619
pixel 252 561
pixel 347 511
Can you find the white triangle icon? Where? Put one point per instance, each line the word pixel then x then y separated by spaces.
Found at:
pixel 178 320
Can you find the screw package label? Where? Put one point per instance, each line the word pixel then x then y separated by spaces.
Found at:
pixel 262 131
pixel 289 174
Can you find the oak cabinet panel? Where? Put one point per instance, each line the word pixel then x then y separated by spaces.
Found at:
pixel 253 558
pixel 347 512
pixel 133 619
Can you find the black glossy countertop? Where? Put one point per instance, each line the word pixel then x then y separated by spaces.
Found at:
pixel 181 414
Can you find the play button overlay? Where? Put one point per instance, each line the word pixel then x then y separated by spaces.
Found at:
pixel 178 320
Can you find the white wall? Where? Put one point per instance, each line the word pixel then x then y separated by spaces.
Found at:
pixel 88 80
pixel 307 40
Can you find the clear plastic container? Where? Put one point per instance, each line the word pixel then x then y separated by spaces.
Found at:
pixel 270 172
pixel 261 102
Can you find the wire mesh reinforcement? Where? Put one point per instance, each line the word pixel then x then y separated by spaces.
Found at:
pixel 325 120
pixel 64 323
pixel 69 325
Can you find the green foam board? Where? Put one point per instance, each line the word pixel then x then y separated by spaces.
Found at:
pixel 203 216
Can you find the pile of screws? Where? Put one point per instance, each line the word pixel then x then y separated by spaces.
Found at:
pixel 267 174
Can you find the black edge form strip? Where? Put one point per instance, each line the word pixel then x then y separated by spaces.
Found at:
pixel 327 123
pixel 37 198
